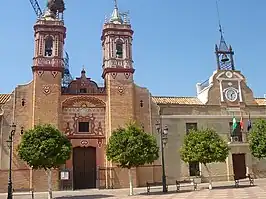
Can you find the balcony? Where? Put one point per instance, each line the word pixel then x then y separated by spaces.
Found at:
pixel 240 137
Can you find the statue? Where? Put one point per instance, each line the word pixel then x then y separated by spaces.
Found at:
pixel 56 6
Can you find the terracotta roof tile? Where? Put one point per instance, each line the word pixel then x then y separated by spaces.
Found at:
pixel 177 100
pixel 4 98
pixel 190 100
pixel 260 101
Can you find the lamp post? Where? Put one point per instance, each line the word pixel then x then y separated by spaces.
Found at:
pixel 10 145
pixel 163 139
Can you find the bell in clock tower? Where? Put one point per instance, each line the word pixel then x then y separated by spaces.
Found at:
pixel 224 54
pixel 229 79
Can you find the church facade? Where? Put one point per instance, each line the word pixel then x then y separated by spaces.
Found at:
pixel 88 113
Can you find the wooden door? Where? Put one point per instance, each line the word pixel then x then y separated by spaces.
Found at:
pixel 84 167
pixel 239 166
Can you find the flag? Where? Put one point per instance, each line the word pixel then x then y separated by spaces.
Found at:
pixel 249 123
pixel 241 124
pixel 234 126
pixel 234 123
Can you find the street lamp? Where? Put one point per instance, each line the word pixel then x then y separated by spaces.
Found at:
pixel 10 145
pixel 163 138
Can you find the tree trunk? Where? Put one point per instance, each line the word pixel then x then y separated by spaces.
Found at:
pixel 49 175
pixel 210 177
pixel 130 182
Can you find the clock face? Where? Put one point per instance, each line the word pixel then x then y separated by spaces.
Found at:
pixel 231 94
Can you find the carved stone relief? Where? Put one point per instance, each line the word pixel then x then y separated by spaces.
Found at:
pixel 46 89
pixel 80 101
pixel 120 90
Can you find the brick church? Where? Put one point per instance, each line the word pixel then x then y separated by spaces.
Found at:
pixel 88 113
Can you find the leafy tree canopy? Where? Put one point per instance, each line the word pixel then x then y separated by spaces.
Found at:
pixel 44 147
pixel 131 147
pixel 204 146
pixel 257 139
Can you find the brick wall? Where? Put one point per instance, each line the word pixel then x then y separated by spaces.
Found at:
pixel 40 181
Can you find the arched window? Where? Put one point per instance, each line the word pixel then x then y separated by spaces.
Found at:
pixel 119 49
pixel 48 46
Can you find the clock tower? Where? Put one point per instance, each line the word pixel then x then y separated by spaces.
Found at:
pixel 229 79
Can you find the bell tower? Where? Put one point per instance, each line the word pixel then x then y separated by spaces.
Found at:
pixel 118 68
pixel 224 54
pixel 49 35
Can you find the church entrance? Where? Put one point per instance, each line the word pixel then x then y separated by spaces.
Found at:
pixel 239 165
pixel 84 168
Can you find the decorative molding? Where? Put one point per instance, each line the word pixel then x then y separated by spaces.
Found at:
pixel 40 72
pixel 84 111
pixel 89 118
pixel 233 109
pixel 68 130
pixel 113 75
pixel 221 91
pixel 54 73
pixel 46 89
pixel 78 101
pixel 240 91
pixel 218 76
pixel 99 129
pixel 127 75
pixel 117 70
pixel 121 90
pixel 47 68
pixel 84 142
pixel 100 143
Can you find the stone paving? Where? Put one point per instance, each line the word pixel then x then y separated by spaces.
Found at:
pixel 220 190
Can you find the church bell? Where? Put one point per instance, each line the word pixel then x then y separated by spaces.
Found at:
pixel 224 58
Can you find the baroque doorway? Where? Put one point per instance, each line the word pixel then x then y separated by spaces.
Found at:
pixel 84 168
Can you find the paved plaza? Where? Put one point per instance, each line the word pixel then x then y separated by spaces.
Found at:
pixel 220 190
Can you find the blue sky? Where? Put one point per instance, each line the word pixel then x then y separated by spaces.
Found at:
pixel 173 42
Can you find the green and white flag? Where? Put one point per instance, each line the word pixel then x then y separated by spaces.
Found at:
pixel 234 126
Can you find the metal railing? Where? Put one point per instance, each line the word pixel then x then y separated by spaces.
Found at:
pixel 241 137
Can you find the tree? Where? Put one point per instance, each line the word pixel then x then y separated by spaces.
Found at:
pixel 44 147
pixel 204 146
pixel 257 139
pixel 131 147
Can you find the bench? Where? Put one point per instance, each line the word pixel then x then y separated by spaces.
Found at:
pixel 154 184
pixel 186 183
pixel 24 191
pixel 249 178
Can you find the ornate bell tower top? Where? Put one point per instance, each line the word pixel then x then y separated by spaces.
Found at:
pixel 224 54
pixel 49 33
pixel 117 36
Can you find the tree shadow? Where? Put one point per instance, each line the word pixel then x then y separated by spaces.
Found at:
pixel 99 196
pixel 162 193
pixel 230 187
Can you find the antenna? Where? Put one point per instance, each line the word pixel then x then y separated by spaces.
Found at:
pixel 219 20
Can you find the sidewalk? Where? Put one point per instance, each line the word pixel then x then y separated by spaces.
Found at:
pixel 220 190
